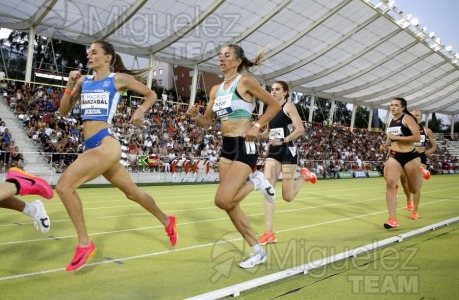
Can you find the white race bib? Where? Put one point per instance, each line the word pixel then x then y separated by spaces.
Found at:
pixel 421 142
pixel 276 133
pixel 95 104
pixel 395 130
pixel 250 148
pixel 222 105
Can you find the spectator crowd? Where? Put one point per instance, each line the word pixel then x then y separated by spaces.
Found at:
pixel 168 135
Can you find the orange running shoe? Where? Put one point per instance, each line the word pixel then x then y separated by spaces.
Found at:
pixel 171 230
pixel 425 173
pixel 82 254
pixel 414 215
pixel 311 177
pixel 29 184
pixel 267 238
pixel 409 205
pixel 391 223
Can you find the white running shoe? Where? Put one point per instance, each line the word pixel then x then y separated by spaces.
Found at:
pixel 253 260
pixel 41 220
pixel 262 185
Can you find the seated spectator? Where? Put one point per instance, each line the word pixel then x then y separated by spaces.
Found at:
pixel 69 157
pixel 2 127
pixel 17 158
pixel 4 156
pixel 6 136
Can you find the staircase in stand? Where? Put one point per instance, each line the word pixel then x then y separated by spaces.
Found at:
pixel 33 162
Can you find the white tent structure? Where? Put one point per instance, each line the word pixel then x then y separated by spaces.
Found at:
pixel 356 51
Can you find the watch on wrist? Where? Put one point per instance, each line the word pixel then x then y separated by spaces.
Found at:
pixel 281 140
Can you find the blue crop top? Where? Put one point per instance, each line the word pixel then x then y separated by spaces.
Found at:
pixel 99 99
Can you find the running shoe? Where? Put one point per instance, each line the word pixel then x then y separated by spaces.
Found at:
pixel 425 173
pixel 41 220
pixel 262 185
pixel 29 184
pixel 82 254
pixel 171 230
pixel 311 177
pixel 391 223
pixel 254 259
pixel 414 215
pixel 267 238
pixel 409 205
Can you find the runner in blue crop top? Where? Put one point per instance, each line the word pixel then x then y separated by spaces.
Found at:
pixel 99 99
pixel 233 102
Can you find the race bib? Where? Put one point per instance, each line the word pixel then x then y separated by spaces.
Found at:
pixel 222 105
pixel 397 130
pixel 95 104
pixel 421 142
pixel 292 150
pixel 250 148
pixel 276 133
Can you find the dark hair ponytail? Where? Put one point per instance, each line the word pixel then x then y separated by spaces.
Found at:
pixel 405 110
pixel 246 63
pixel 116 63
pixel 285 87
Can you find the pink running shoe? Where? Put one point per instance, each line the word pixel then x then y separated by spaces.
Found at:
pixel 311 177
pixel 82 254
pixel 391 223
pixel 425 173
pixel 409 205
pixel 171 230
pixel 267 238
pixel 29 184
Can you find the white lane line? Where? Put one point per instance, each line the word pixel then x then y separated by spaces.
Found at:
pixel 197 246
pixel 188 223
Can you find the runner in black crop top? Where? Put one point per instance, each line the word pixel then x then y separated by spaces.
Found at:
pixel 402 132
pixel 283 154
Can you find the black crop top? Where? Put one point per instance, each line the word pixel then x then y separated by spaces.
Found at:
pixel 396 127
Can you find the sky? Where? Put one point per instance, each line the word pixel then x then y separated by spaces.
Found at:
pixel 441 17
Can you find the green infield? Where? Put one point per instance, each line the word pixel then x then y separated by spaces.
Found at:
pixel 133 257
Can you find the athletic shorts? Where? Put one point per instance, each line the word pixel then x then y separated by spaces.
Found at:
pixel 423 157
pixel 283 154
pixel 96 139
pixel 404 157
pixel 234 148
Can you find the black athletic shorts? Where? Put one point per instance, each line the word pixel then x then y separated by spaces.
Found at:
pixel 234 148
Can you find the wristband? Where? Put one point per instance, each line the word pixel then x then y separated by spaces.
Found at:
pixel 67 92
pixel 194 118
pixel 257 125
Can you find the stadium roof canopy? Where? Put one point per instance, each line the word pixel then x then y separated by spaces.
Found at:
pixel 356 51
